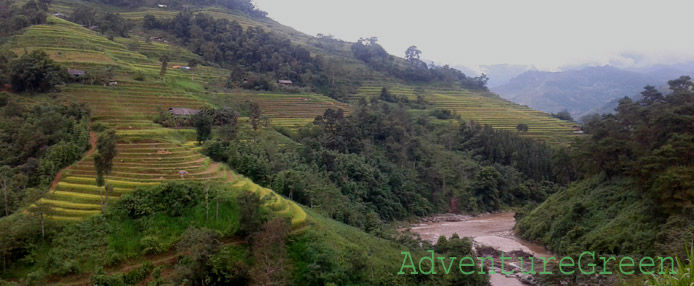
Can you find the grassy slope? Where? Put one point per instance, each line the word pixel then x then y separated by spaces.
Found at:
pixel 605 216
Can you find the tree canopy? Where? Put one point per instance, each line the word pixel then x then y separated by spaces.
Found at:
pixel 36 72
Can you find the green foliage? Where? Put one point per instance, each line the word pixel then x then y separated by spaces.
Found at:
pixel 563 115
pixel 116 236
pixel 131 277
pixel 443 114
pixel 202 121
pixel 382 164
pixel 522 127
pixel 485 188
pixel 15 17
pixel 684 276
pixel 375 56
pixel 228 44
pixel 270 253
pixel 252 216
pixel 607 217
pixel 36 72
pixel 139 76
pixel 6 57
pixel 105 152
pixel 107 23
pixel 171 198
pixel 37 141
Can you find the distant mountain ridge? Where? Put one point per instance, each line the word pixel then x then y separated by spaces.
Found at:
pixel 582 90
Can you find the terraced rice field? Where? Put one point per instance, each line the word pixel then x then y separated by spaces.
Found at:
pixel 499 113
pixel 130 105
pixel 147 153
pixel 291 111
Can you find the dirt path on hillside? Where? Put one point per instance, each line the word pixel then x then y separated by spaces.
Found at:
pixel 167 258
pixel 92 143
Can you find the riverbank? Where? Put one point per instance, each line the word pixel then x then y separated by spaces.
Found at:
pixel 491 234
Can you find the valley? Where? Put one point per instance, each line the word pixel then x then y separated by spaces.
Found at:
pixel 204 143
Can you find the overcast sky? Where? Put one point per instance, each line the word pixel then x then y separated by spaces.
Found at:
pixel 546 33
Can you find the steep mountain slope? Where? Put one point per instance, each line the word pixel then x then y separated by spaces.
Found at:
pixel 578 91
pixel 150 154
pixel 147 153
pixel 354 73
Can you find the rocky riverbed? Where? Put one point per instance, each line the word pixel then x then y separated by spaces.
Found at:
pixel 491 234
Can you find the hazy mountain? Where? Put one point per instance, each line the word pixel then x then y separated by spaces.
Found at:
pixel 581 90
pixel 498 74
pixel 502 74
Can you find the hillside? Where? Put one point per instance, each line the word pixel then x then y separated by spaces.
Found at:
pixel 636 204
pixel 577 91
pixel 351 76
pixel 484 108
pixel 329 155
pixel 128 96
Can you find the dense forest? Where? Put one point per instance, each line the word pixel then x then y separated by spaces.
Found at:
pixel 637 168
pixel 14 18
pixel 257 58
pixel 381 163
pixel 36 142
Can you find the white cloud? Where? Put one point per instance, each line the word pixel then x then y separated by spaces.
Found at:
pixel 546 33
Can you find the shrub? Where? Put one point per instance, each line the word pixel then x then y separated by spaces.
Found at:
pixel 139 274
pixel 682 278
pixel 171 198
pixel 99 127
pixel 139 76
pixel 151 245
pixel 443 114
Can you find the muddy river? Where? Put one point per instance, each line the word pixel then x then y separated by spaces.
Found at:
pixel 495 230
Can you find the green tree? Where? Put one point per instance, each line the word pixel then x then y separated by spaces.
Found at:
pixel 236 77
pixel 164 63
pixel 202 121
pixel 36 72
pixel 6 57
pixel 651 95
pixel 522 127
pixel 6 174
pixel 193 64
pixel 486 188
pixel 198 245
pixel 227 120
pixel 683 83
pixel 39 209
pixel 563 115
pixel 254 114
pixel 84 15
pixel 412 54
pixel 251 215
pixel 270 254
pixel 103 161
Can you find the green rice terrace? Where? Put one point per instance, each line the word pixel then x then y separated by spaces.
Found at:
pixel 150 154
pixel 147 153
pixel 499 113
